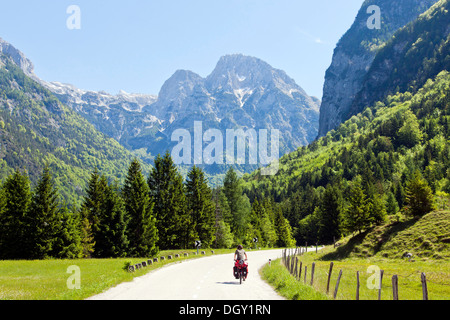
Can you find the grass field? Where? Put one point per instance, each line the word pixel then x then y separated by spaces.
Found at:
pixel 48 279
pixel 381 248
pixel 409 275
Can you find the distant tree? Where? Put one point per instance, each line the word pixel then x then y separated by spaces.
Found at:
pixel 223 236
pixel 410 134
pixel 283 230
pixel 238 203
pixel 14 240
pixel 392 206
pixel 330 215
pixel 419 197
pixel 356 214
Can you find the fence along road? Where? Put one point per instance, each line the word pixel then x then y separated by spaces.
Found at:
pixel 207 278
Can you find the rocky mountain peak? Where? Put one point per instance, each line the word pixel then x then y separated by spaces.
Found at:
pixel 18 58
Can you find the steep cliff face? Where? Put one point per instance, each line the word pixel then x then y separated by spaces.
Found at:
pixel 417 52
pixel 355 53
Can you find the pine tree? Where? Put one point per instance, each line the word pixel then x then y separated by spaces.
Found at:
pixel 329 215
pixel 142 229
pixel 377 209
pixel 111 238
pixel 87 237
pixel 283 230
pixel 68 244
pixel 200 207
pixel 356 215
pixel 391 204
pixel 238 203
pixel 93 200
pixel 44 216
pixel 14 240
pixel 167 193
pixel 419 197
pixel 223 236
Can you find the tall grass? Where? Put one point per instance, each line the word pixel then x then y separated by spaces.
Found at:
pixel 286 285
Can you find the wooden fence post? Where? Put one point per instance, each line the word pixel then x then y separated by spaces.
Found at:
pixel 337 284
pixel 424 286
pixel 300 271
pixel 306 268
pixel 381 281
pixel 312 273
pixel 357 285
pixel 395 287
pixel 329 277
pixel 296 268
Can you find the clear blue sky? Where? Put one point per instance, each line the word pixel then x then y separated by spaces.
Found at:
pixel 136 45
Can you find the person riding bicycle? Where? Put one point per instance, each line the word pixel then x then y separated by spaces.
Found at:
pixel 240 255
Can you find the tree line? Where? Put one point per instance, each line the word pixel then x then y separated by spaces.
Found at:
pixel 135 219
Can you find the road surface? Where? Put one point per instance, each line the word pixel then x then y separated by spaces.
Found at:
pixel 207 278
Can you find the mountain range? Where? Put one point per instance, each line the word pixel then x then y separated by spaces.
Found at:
pixel 242 92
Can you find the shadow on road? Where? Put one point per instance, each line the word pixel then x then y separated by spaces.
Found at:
pixel 229 282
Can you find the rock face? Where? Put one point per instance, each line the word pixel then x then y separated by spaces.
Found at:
pixel 241 92
pixel 18 57
pixel 355 53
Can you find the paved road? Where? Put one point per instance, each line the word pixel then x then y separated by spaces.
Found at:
pixel 207 278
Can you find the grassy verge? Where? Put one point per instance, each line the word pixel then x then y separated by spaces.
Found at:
pixel 47 279
pixel 409 275
pixel 286 285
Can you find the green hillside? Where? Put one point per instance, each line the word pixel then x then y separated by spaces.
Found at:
pixel 379 151
pixel 391 159
pixel 427 237
pixel 35 128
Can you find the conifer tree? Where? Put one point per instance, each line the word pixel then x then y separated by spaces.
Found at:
pixel 44 217
pixel 87 237
pixel 111 238
pixel 14 240
pixel 200 207
pixel 68 243
pixel 239 204
pixel 356 215
pixel 93 200
pixel 419 197
pixel 223 236
pixel 167 193
pixel 329 215
pixel 142 229
pixel 283 230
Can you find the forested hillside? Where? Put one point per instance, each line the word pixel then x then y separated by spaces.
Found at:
pixel 372 165
pixel 391 159
pixel 36 129
pixel 418 52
